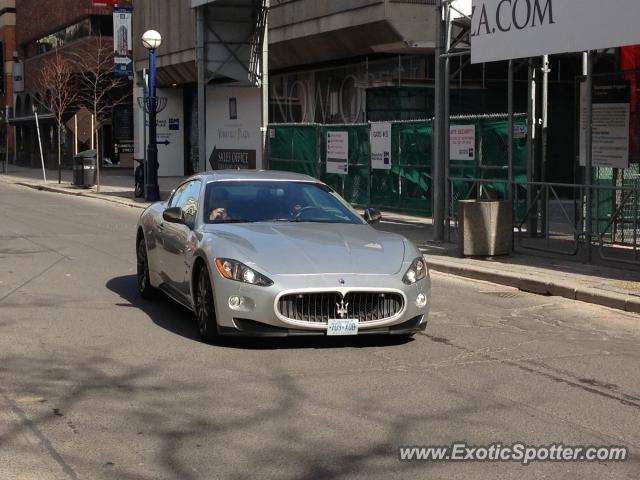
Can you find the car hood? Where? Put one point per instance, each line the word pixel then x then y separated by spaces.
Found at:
pixel 309 248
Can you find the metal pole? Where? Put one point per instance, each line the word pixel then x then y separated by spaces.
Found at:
pixel 35 113
pixel 7 113
pixel 152 189
pixel 265 85
pixel 438 173
pixel 202 91
pixel 532 223
pixel 588 156
pixel 446 116
pixel 145 122
pixel 510 132
pixel 543 136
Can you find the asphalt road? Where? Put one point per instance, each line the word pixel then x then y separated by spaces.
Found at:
pixel 97 384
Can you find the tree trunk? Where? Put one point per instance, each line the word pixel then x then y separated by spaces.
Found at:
pixel 59 156
pixel 95 116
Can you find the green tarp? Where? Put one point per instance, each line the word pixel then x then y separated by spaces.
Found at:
pixel 407 185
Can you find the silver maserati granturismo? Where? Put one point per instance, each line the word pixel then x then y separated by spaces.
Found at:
pixel 266 253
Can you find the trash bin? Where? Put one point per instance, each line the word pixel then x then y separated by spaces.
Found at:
pixel 485 227
pixel 84 169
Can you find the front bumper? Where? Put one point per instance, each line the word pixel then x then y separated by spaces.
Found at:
pixel 250 328
pixel 258 315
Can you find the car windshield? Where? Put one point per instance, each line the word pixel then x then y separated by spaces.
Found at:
pixel 275 201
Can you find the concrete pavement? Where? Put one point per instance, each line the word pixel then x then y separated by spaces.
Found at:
pixel 96 383
pixel 546 275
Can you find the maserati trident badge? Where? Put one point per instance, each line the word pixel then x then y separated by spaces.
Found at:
pixel 342 309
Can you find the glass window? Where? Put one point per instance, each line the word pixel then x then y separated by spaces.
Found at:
pixel 275 201
pixel 187 197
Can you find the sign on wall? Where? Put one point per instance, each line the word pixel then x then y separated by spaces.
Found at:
pixel 229 159
pixel 462 142
pixel 234 139
pixel 504 29
pixel 170 134
pixel 381 146
pixel 122 42
pixel 610 134
pixel 338 152
pixel 105 3
pixel 18 77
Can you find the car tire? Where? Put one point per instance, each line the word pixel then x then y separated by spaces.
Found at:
pixel 205 307
pixel 142 260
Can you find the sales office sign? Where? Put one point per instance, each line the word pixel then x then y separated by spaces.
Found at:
pixel 505 29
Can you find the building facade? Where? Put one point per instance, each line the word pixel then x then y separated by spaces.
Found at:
pixel 8 50
pixel 337 62
pixel 72 29
pixel 323 56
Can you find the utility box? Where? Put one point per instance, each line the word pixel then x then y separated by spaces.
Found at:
pixel 485 227
pixel 84 169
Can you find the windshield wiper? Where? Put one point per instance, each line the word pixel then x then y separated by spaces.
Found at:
pixel 233 220
pixel 326 220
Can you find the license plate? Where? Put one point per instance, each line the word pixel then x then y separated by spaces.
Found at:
pixel 340 326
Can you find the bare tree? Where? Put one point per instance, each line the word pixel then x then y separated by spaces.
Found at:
pixel 99 90
pixel 58 94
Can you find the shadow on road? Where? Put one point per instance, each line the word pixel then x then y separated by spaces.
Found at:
pixel 162 311
pixel 172 317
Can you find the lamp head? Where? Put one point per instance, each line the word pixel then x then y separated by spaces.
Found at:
pixel 151 40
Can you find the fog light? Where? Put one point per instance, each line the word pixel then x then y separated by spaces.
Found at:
pixel 421 300
pixel 235 302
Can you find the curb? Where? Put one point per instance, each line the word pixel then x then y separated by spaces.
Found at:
pixel 627 303
pixel 86 194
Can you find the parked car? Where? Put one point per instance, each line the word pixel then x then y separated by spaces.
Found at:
pixel 267 253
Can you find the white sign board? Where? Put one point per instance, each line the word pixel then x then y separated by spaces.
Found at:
pixel 234 139
pixel 170 134
pixel 462 142
pixel 338 152
pixel 381 146
pixel 18 77
pixel 610 133
pixel 504 29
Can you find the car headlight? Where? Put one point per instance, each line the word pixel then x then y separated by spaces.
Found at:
pixel 234 270
pixel 417 271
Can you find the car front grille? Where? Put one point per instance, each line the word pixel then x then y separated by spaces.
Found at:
pixel 319 307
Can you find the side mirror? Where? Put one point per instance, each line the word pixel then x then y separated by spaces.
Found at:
pixel 173 215
pixel 372 215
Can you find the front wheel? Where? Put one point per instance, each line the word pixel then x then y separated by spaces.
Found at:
pixel 138 190
pixel 144 285
pixel 205 307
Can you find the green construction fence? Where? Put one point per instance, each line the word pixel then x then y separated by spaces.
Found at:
pixel 406 186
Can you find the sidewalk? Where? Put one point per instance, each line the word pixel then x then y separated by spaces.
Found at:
pixel 567 277
pixel 562 276
pixel 116 185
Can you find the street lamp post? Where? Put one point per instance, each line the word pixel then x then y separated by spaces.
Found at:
pixel 151 41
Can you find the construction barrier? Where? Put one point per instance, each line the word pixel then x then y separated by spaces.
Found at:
pixel 406 185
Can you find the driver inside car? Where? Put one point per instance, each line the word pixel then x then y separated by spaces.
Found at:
pixel 297 203
pixel 220 206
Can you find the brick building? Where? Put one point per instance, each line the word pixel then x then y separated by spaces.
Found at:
pixel 68 27
pixel 7 49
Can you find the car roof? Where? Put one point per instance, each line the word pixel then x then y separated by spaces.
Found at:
pixel 262 175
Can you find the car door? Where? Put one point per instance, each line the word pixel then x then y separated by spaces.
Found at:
pixel 177 238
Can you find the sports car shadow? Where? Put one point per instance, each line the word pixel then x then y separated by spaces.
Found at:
pixel 167 314
pixel 163 311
